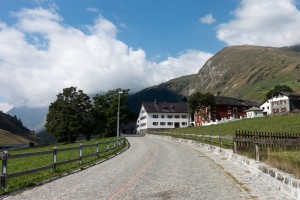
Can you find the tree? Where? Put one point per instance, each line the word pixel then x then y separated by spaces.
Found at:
pixel 279 88
pixel 70 114
pixel 106 108
pixel 198 100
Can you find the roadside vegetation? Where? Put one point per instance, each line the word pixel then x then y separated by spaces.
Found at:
pixel 26 163
pixel 284 159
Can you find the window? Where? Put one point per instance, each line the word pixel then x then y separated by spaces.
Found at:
pixel 229 112
pixel 177 116
pixel 162 123
pixel 143 124
pixel 155 123
pixel 170 116
pixel 276 110
pixel 183 116
pixel 162 116
pixel 283 109
pixel 144 117
pixel 155 116
pixel 183 123
pixel 170 123
pixel 283 101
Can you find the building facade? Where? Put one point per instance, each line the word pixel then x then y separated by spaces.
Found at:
pixel 281 102
pixel 224 108
pixel 158 116
pixel 254 112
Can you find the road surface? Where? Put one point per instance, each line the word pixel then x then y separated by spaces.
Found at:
pixel 149 169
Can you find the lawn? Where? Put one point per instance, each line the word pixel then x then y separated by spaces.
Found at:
pixel 26 163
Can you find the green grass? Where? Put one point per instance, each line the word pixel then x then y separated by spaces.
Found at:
pixel 22 164
pixel 284 123
pixel 285 159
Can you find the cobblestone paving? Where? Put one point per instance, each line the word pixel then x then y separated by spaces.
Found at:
pixel 149 169
pixel 255 186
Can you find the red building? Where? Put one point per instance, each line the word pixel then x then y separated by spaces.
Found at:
pixel 225 107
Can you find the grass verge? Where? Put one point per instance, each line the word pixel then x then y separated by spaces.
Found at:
pixel 26 163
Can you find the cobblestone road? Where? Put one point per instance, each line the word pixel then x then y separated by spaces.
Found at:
pixel 149 169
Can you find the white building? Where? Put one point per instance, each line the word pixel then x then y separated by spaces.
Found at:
pixel 254 112
pixel 158 116
pixel 281 102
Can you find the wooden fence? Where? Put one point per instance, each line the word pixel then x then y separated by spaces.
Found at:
pixel 109 146
pixel 245 140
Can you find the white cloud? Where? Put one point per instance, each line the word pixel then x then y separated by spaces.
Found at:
pixel 268 23
pixel 5 107
pixel 39 56
pixel 207 19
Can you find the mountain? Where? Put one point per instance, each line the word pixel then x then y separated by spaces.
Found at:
pixel 248 72
pixel 245 71
pixel 33 118
pixel 169 92
pixel 12 125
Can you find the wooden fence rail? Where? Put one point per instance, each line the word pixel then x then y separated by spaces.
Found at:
pixel 245 140
pixel 6 156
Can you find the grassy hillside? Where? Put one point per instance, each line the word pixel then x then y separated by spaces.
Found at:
pixel 282 123
pixel 15 126
pixel 7 138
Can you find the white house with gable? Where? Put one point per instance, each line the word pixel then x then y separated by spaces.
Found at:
pixel 158 116
pixel 281 102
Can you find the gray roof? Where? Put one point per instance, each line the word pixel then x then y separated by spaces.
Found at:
pixel 254 109
pixel 155 107
pixel 289 94
pixel 231 101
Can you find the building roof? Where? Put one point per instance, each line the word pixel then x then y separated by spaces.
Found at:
pixel 155 107
pixel 231 101
pixel 254 109
pixel 289 94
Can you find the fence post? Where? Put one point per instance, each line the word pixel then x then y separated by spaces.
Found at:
pixel 97 149
pixel 234 145
pixel 4 169
pixel 256 152
pixel 80 154
pixel 221 141
pixel 210 140
pixel 54 158
pixel 107 146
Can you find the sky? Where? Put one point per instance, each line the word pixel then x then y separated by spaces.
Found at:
pixel 100 45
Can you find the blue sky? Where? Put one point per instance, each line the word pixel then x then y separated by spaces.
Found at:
pixel 160 27
pixel 98 45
